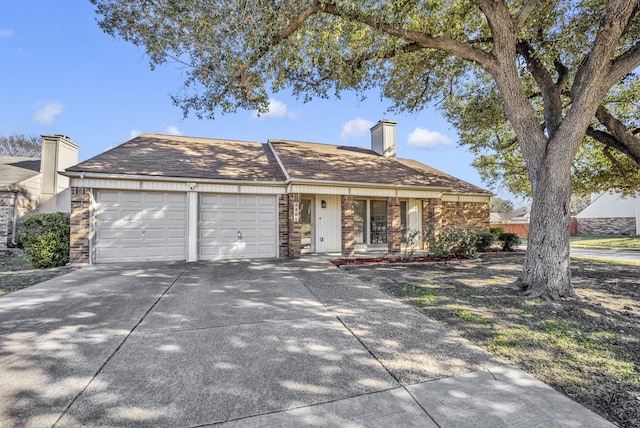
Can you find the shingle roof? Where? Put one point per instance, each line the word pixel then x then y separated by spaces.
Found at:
pixel 205 158
pixel 312 161
pixel 16 169
pixel 187 157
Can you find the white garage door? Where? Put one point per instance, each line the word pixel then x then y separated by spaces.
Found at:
pixel 237 226
pixel 140 226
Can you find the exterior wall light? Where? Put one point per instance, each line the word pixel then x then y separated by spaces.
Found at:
pixel 323 204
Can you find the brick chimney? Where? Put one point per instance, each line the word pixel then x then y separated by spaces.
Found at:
pixel 58 153
pixel 383 138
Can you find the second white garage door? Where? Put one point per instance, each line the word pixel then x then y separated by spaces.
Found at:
pixel 140 226
pixel 237 226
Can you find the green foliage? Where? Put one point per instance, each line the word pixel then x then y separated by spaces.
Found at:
pixel 496 231
pixel 498 205
pixel 485 240
pixel 509 241
pixel 412 240
pixel 45 239
pixel 452 241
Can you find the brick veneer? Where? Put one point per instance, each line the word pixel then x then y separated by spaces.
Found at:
pixel 394 225
pixel 607 226
pixel 348 226
pixel 295 243
pixel 466 215
pixel 80 225
pixel 283 226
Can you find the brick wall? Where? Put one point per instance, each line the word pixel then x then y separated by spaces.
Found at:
pixel 607 226
pixel 348 226
pixel 6 215
pixel 466 215
pixel 394 225
pixel 283 226
pixel 294 244
pixel 80 225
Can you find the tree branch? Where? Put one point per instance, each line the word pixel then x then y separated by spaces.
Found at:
pixel 422 40
pixel 525 12
pixel 597 64
pixel 549 89
pixel 621 139
pixel 607 152
pixel 624 64
pixel 296 23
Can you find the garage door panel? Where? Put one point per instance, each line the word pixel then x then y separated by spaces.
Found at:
pixel 264 233
pixel 266 216
pixel 131 197
pixel 223 216
pixel 245 216
pixel 135 235
pixel 140 226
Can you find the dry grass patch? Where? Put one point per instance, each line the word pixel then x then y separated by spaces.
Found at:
pixel 587 348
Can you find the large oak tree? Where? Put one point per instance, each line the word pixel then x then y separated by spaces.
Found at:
pixel 573 52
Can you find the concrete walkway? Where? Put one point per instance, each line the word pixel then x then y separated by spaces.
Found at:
pixel 626 255
pixel 251 343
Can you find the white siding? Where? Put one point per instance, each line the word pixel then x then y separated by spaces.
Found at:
pixel 465 198
pixel 175 186
pixel 327 224
pixel 612 205
pixel 414 218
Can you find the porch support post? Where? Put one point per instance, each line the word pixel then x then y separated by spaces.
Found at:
pixel 348 226
pixel 295 238
pixel 394 225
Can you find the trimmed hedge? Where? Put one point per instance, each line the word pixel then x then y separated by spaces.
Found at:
pixel 485 240
pixel 45 239
pixel 509 240
pixel 452 241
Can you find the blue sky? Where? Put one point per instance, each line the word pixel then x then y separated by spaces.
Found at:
pixel 63 75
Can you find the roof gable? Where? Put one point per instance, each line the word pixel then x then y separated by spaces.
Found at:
pixel 13 170
pixel 187 157
pixel 312 161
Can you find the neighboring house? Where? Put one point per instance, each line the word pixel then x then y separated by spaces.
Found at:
pixel 161 197
pixel 516 221
pixel 610 213
pixel 34 184
pixel 519 216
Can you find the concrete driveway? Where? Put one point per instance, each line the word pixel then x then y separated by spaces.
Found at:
pixel 250 343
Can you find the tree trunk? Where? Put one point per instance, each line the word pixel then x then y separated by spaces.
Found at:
pixel 546 271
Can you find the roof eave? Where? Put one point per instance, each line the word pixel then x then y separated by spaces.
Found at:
pixel 110 176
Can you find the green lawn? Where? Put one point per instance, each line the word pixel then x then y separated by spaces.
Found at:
pixel 606 242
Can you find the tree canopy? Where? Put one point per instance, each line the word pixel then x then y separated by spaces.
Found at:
pixel 20 145
pixel 547 72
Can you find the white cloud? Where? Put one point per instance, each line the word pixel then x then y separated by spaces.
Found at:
pixel 134 133
pixel 173 130
pixel 355 128
pixel 424 139
pixel 47 112
pixel 276 109
pixel 5 33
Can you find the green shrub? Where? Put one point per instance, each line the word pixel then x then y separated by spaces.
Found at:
pixel 45 239
pixel 496 230
pixel 485 240
pixel 509 240
pixel 452 241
